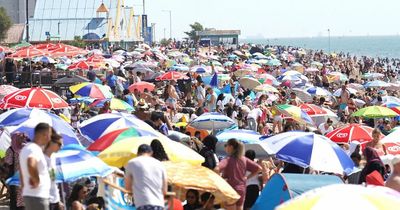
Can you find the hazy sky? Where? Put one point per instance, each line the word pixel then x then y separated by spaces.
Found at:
pixel 278 18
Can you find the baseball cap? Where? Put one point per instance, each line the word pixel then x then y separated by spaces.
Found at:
pixel 144 148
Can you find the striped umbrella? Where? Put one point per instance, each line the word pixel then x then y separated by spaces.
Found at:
pixel 212 121
pixel 316 151
pixel 171 75
pixel 249 138
pixel 99 125
pixel 115 104
pixel 351 132
pixel 28 53
pixel 26 119
pixel 92 90
pixel 392 141
pixel 35 97
pixel 313 110
pixel 345 196
pixel 7 89
pixel 296 113
pixel 114 136
pixel 74 162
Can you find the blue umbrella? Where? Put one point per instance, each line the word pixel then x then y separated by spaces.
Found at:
pixel 26 120
pixel 376 83
pixel 307 149
pixel 74 162
pixel 179 67
pixel 198 69
pixel 214 80
pixel 318 91
pixel 212 121
pixel 99 125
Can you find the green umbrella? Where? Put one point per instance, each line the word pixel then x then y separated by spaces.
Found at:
pixel 21 45
pixel 375 112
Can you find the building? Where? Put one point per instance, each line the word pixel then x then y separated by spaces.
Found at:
pixel 102 21
pixel 216 37
pixel 16 9
pixel 14 34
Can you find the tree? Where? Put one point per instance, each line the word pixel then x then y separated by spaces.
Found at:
pixel 5 23
pixel 165 42
pixel 192 34
pixel 78 42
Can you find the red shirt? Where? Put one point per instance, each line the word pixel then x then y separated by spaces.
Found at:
pixel 234 170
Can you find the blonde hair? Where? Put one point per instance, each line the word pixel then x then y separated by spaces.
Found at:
pixel 238 148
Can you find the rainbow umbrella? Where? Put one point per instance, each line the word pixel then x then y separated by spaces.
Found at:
pixel 296 113
pixel 115 104
pixel 114 136
pixel 345 196
pixel 91 90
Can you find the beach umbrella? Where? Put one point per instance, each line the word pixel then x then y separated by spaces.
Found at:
pixel 249 82
pixel 266 88
pixel 317 64
pixel 95 58
pixel 115 104
pixel 302 94
pixel 336 77
pixel 242 72
pixel 114 136
pixel 345 196
pixel 356 86
pixel 338 92
pixel 179 67
pixel 67 50
pixel 313 110
pixel 373 75
pixel 311 69
pixel 291 73
pixel 214 80
pixel 92 90
pixel 28 53
pixel 5 49
pixel 228 63
pixel 249 138
pixel 113 63
pixel 376 83
pixel 143 70
pixel 35 97
pixel 375 112
pixel 183 176
pixel 212 121
pixel 101 124
pixel 7 89
pixel 140 86
pixel 171 75
pixel 351 132
pixel 74 162
pixel 267 79
pixel 317 91
pixel 390 99
pixel 295 113
pixel 392 141
pixel 119 153
pixel 82 65
pixel 26 119
pixel 199 69
pixel 274 62
pixel 44 59
pixel 317 151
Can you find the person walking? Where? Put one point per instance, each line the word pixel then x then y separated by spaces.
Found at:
pixel 394 179
pixel 146 178
pixel 34 172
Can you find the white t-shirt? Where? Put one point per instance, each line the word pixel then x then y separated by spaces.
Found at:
pixel 54 193
pixel 148 174
pixel 255 113
pixel 324 131
pixel 43 189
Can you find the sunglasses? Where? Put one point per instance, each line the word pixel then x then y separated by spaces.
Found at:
pixel 58 143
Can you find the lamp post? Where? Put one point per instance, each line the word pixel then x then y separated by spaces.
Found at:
pixel 170 22
pixel 27 20
pixel 144 7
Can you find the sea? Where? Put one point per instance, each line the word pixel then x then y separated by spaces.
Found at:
pixel 372 46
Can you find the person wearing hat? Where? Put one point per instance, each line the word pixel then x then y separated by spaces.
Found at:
pixel 142 110
pixel 394 179
pixel 146 178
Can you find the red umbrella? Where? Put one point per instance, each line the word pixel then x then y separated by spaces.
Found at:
pixel 95 58
pixel 171 75
pixel 351 132
pixel 28 53
pixel 67 50
pixel 35 97
pixel 5 49
pixel 312 109
pixel 82 65
pixel 140 86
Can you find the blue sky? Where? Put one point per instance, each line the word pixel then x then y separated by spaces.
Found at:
pixel 278 18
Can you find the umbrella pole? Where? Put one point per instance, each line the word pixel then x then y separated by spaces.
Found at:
pixel 63 194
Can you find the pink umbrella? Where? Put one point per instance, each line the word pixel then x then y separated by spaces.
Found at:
pixel 140 86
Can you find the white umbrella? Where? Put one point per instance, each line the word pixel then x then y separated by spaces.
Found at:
pixel 249 82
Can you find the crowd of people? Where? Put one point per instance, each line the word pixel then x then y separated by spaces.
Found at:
pixel 187 98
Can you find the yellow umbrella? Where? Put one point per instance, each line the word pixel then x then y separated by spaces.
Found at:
pixel 119 153
pixel 265 88
pixel 184 176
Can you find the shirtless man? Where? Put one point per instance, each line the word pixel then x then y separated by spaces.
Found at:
pixel 343 101
pixel 394 179
pixel 172 98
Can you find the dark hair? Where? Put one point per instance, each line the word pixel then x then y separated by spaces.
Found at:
pixel 54 135
pixel 206 196
pixel 355 155
pixel 251 154
pixel 210 142
pixel 144 148
pixel 126 91
pixel 158 150
pixel 156 116
pixel 237 147
pixel 41 127
pixel 74 194
pixel 195 193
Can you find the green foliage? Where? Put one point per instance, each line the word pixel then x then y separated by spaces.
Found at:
pixel 5 23
pixel 78 42
pixel 192 33
pixel 165 42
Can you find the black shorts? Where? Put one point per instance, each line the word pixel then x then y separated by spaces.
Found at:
pixel 252 192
